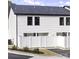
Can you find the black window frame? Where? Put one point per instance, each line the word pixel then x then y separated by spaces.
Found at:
pixel 67 20
pixel 29 20
pixel 37 20
pixel 61 21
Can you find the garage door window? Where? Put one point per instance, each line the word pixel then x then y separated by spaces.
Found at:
pixel 29 34
pixel 61 34
pixel 42 34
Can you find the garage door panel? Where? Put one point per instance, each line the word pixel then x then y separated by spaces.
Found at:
pixel 43 41
pixel 35 42
pixel 50 42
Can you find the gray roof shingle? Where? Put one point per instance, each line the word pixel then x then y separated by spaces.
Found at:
pixel 40 10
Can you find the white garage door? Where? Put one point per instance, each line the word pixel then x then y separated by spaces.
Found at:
pixel 35 42
pixel 41 41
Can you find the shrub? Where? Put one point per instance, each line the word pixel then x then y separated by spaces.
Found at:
pixel 14 47
pixel 36 50
pixel 25 49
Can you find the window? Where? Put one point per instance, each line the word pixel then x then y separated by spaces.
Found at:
pixel 42 34
pixel 62 34
pixel 29 21
pixel 68 33
pixel 67 21
pixel 61 21
pixel 59 34
pixel 37 21
pixel 29 34
pixel 34 34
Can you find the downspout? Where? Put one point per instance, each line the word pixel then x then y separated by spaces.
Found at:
pixel 16 31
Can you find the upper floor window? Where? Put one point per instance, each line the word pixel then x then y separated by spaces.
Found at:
pixel 29 20
pixel 61 20
pixel 67 20
pixel 37 21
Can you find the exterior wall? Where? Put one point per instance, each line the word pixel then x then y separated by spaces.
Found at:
pixel 12 26
pixel 48 24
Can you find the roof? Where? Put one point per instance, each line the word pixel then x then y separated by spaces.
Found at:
pixel 39 10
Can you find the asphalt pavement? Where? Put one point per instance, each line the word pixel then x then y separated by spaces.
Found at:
pixel 22 55
pixel 16 56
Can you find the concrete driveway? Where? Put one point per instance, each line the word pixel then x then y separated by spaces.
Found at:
pixel 65 53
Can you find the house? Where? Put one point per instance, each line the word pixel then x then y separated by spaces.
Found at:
pixel 39 26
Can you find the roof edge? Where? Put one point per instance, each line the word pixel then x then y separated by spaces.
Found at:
pixel 46 14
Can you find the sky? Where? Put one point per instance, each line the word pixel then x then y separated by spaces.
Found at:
pixel 43 2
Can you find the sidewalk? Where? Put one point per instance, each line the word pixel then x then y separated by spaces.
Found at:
pixel 38 56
